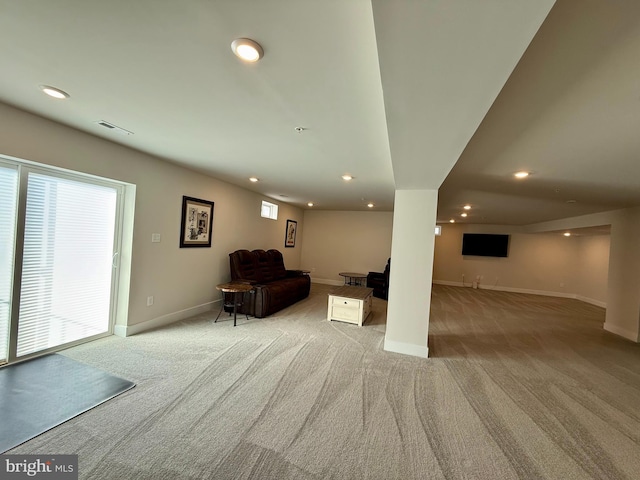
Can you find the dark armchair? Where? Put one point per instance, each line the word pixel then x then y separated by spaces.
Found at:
pixel 379 281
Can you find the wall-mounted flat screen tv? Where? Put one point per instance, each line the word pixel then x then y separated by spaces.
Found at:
pixel 485 245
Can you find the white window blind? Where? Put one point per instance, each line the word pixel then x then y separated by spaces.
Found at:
pixel 8 196
pixel 67 266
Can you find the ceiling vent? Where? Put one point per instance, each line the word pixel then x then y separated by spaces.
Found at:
pixel 113 127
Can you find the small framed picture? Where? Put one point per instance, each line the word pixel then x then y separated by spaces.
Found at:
pixel 196 228
pixel 290 236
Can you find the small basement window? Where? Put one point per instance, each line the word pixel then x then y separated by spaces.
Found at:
pixel 269 210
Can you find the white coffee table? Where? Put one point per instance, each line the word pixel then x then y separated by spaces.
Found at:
pixel 350 304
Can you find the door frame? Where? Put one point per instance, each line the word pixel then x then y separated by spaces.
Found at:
pixel 24 168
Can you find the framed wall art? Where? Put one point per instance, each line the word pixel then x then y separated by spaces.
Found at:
pixel 196 229
pixel 290 236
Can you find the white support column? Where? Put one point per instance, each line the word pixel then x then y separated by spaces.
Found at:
pixel 412 244
pixel 623 291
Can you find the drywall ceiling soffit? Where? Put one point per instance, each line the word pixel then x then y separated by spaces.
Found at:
pixel 586 231
pixel 568 114
pixel 442 65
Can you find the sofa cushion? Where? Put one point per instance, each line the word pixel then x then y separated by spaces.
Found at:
pixel 244 266
pixel 276 262
pixel 263 266
pixel 274 296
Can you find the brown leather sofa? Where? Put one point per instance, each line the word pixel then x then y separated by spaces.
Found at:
pixel 275 287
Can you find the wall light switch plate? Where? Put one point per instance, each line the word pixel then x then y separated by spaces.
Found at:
pixel 155 238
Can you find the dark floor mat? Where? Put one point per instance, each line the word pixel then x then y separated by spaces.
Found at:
pixel 39 394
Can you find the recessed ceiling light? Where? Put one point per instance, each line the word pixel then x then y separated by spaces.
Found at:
pixel 567 234
pixel 452 221
pixel 467 207
pixel 247 49
pixel 347 177
pixel 310 204
pixel 463 214
pixel 522 174
pixel 253 179
pixel 54 92
pixel 370 205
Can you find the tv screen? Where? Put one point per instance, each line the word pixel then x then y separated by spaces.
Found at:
pixel 485 245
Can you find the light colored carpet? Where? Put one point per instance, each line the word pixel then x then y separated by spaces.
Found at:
pixel 518 386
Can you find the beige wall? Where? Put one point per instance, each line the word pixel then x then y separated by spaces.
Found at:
pixel 623 279
pixel 537 263
pixel 592 269
pixel 336 241
pixel 180 279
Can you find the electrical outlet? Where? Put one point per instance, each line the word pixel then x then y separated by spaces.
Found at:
pixel 149 301
pixel 313 269
pixel 155 238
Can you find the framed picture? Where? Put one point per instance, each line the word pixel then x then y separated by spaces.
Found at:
pixel 196 228
pixel 290 236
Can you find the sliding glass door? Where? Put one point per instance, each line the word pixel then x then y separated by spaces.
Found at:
pixel 8 198
pixel 59 234
pixel 67 262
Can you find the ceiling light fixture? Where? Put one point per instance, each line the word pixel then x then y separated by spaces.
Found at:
pixel 567 234
pixel 310 204
pixel 467 207
pixel 253 179
pixel 370 205
pixel 347 177
pixel 463 214
pixel 452 221
pixel 54 92
pixel 521 174
pixel 247 49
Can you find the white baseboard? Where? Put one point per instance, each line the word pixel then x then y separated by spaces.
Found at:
pixel 597 303
pixel 546 293
pixel 406 348
pixel 623 332
pixel 326 281
pixel 120 330
pixel 128 330
pixel 448 283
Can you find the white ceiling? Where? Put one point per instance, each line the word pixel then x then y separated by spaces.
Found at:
pixel 164 70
